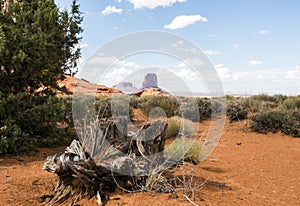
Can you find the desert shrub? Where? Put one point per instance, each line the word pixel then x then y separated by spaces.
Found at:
pixel 218 105
pixel 190 110
pixel 263 102
pixel 255 105
pixel 120 106
pixel 264 98
pixel 292 103
pixel 268 121
pixel 184 149
pixel 236 111
pixel 291 123
pixel 103 107
pixel 135 102
pixel 168 104
pixel 205 108
pixel 178 125
pixel 286 121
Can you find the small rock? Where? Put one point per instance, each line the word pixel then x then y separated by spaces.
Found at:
pixel 240 198
pixel 34 182
pixel 239 143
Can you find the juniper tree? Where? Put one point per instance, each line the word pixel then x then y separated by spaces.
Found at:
pixel 38 45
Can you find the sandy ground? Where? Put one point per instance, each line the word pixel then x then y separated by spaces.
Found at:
pixel 246 168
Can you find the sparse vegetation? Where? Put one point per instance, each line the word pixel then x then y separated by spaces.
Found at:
pixel 286 121
pixel 184 149
pixel 180 126
pixel 236 111
pixel 169 105
pixel 292 103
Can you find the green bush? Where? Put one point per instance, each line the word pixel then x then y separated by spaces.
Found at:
pixel 236 112
pixel 268 121
pixel 178 125
pixel 286 121
pixel 13 140
pixel 205 108
pixel 292 103
pixel 136 102
pixel 38 119
pixel 253 105
pixel 120 106
pixel 190 110
pixel 184 149
pixel 291 123
pixel 168 104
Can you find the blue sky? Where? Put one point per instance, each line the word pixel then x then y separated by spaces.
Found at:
pixel 254 45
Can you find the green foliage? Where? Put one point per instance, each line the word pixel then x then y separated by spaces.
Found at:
pixel 292 103
pixel 184 149
pixel 254 105
pixel 168 104
pixel 33 121
pixel 103 107
pixel 178 125
pixel 136 102
pixel 38 45
pixel 205 108
pixel 189 110
pixel 286 121
pixel 88 107
pixel 269 121
pixel 13 140
pixel 235 111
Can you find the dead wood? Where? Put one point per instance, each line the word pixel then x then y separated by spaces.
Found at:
pixel 105 157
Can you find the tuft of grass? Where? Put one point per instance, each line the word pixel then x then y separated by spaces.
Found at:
pixel 178 125
pixel 183 149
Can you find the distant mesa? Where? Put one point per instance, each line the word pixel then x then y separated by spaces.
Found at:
pixel 126 87
pixel 150 81
pixel 72 85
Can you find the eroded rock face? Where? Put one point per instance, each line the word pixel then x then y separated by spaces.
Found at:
pixel 72 85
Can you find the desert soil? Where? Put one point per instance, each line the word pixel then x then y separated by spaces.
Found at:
pixel 246 168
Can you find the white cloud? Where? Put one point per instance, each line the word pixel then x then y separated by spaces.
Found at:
pixel 294 74
pixel 236 45
pixel 179 43
pixel 152 4
pixel 187 74
pixel 111 10
pixel 129 64
pixel 211 52
pixel 261 32
pixel 84 46
pixel 116 75
pixel 184 20
pixel 119 1
pixel 223 71
pixel 256 62
pixel 190 61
